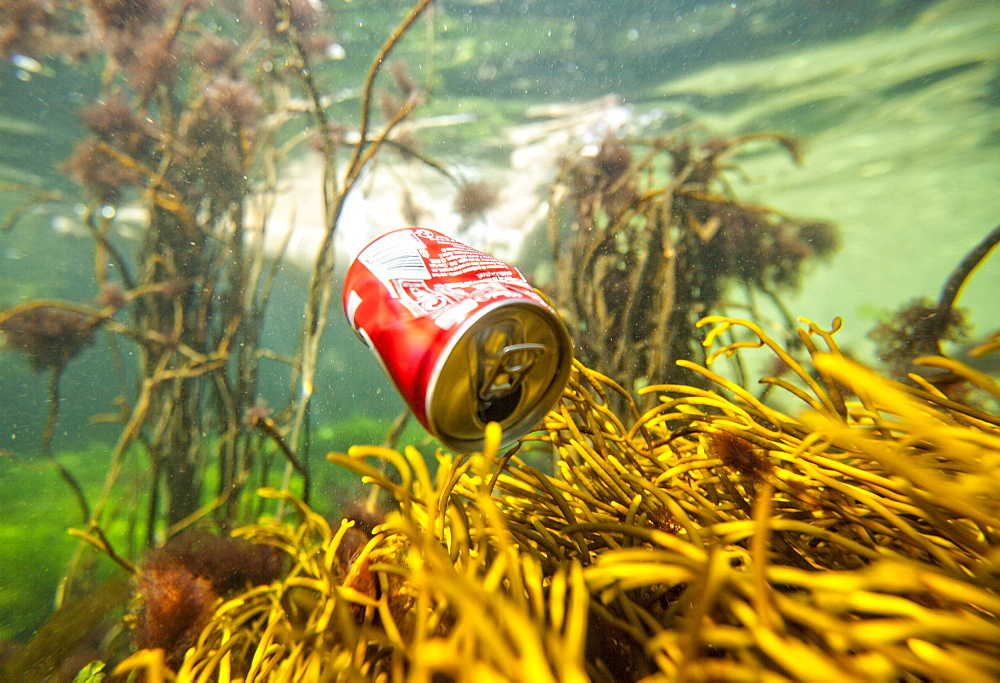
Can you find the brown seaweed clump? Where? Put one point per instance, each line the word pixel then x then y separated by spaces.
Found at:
pixel 305 17
pixel 648 237
pixel 916 330
pixel 180 583
pixel 711 538
pixel 39 28
pixel 474 199
pixel 740 455
pixel 51 336
pixel 25 25
pixel 919 328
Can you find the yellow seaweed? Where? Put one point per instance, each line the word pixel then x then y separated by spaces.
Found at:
pixel 865 549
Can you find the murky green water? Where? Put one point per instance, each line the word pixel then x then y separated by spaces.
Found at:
pixel 897 106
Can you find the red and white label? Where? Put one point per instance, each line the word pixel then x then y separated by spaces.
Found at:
pixel 410 293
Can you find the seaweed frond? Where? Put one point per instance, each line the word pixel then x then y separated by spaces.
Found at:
pixel 710 537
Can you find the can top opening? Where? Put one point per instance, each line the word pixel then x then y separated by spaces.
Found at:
pixel 500 408
pixel 509 366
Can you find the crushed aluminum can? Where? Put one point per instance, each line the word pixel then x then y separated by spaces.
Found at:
pixel 461 334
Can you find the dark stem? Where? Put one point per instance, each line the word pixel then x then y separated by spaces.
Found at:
pixel 390 440
pixel 101 237
pixel 964 271
pixel 501 464
pixel 154 499
pixel 46 445
pixel 396 429
pixel 110 552
pixel 325 132
pixel 376 65
pixel 938 322
pixel 267 426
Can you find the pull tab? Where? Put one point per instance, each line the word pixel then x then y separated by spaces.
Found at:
pixel 509 370
pixel 499 369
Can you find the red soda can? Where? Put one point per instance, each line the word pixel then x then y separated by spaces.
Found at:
pixel 461 334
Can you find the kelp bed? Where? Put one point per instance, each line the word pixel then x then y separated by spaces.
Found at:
pixel 712 537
